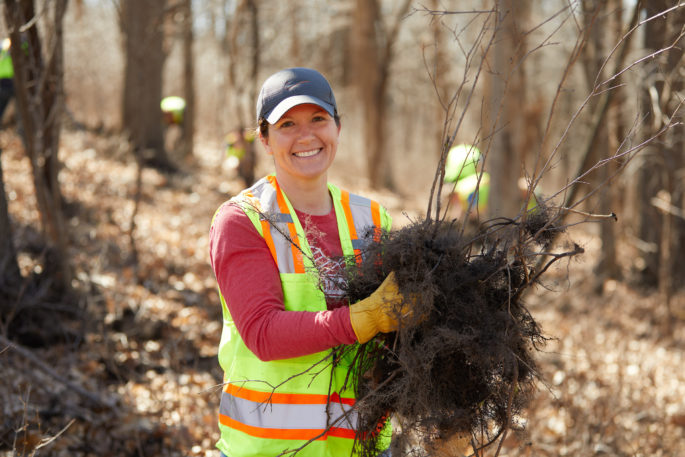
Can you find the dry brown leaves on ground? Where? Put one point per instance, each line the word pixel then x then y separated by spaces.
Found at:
pixel 145 336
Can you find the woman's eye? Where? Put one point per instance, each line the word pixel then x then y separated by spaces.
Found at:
pixel 285 124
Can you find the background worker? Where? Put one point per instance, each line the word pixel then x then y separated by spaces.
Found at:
pixel 240 153
pixel 6 76
pixel 270 247
pixel 173 109
pixel 466 182
pixel 173 116
pixel 468 185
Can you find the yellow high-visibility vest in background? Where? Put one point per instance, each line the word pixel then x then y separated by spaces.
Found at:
pixel 6 67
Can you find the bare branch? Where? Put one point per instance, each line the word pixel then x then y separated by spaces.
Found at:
pixel 44 367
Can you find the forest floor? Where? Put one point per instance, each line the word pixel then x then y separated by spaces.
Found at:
pixel 130 368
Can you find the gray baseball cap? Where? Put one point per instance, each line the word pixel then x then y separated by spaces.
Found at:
pixel 292 87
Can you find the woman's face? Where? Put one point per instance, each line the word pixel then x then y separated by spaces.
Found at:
pixel 303 143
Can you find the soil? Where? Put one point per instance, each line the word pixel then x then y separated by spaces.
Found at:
pixel 144 336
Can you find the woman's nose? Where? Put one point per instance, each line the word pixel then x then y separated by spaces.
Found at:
pixel 305 134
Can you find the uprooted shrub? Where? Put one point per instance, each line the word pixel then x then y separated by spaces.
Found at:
pixel 463 361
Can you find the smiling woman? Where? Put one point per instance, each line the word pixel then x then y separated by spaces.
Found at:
pixel 276 250
pixel 303 144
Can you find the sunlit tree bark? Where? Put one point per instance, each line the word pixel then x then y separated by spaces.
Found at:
pixel 440 67
pixel 508 97
pixel 243 63
pixel 141 25
pixel 373 54
pixel 188 79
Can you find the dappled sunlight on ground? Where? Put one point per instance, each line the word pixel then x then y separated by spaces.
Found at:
pixel 613 377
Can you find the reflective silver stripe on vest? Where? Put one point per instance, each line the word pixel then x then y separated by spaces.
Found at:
pixel 287 416
pixel 279 228
pixel 265 192
pixel 360 207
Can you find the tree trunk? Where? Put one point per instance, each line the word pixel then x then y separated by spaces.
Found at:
pixel 663 161
pixel 188 80
pixel 505 158
pixel 295 42
pixel 141 25
pixel 373 58
pixel 368 83
pixel 609 196
pixel 440 68
pixel 597 21
pixel 338 56
pixel 229 106
pixel 10 276
pixel 610 201
pixel 254 83
pixel 243 63
pixel 38 89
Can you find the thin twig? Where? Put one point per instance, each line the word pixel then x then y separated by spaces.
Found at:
pixel 28 355
pixel 53 438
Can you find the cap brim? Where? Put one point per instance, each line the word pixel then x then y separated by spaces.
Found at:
pixel 295 100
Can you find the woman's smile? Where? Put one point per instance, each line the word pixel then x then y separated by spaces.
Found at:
pixel 307 153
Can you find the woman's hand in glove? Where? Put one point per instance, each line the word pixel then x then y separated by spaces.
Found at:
pixel 379 312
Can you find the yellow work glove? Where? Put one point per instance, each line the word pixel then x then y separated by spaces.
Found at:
pixel 378 312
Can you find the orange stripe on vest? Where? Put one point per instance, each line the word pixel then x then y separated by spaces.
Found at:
pixel 295 242
pixel 274 397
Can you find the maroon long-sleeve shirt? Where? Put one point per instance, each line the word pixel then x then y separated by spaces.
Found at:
pixel 249 281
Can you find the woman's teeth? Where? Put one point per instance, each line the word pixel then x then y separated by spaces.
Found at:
pixel 307 153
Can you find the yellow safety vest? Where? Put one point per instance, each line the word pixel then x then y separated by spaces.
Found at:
pixel 476 186
pixel 270 407
pixel 6 67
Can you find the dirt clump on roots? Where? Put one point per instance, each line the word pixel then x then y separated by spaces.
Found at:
pixel 463 361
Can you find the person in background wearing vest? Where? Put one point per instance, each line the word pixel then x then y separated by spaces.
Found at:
pixel 173 115
pixel 269 247
pixel 173 108
pixel 466 183
pixel 6 77
pixel 240 153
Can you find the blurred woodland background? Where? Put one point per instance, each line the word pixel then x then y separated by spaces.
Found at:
pixel 109 317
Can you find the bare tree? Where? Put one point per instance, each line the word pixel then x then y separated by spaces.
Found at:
pixel 40 101
pixel 598 17
pixel 141 25
pixel 241 83
pixel 507 99
pixel 295 41
pixel 338 56
pixel 253 9
pixel 188 79
pixel 660 187
pixel 374 52
pixel 440 66
pixel 242 62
